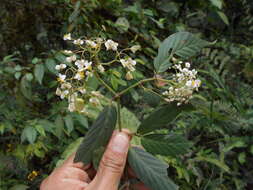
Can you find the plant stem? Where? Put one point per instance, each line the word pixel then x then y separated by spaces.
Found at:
pixel 104 83
pixel 119 115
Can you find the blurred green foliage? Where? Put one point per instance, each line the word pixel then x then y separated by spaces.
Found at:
pixel 36 128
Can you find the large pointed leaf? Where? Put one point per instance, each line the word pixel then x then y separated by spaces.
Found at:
pixel 98 135
pixel 166 145
pixel 39 71
pixel 182 44
pixel 161 117
pixel 150 170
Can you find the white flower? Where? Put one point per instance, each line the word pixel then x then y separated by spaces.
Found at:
pixel 101 68
pixel 67 51
pixel 78 42
pixel 128 63
pixel 67 36
pixel 64 94
pixel 111 45
pixel 89 74
pixel 82 90
pixel 79 75
pixel 71 58
pixel 60 67
pixel 80 64
pixel 99 40
pixel 135 48
pixel 71 107
pixel 61 78
pixel 72 97
pixel 187 64
pixel 58 92
pixel 87 65
pixel 96 93
pixel 91 43
pixel 66 85
pixel 129 75
pixel 94 101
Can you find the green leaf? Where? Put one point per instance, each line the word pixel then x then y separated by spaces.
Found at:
pixel 97 156
pixel 30 134
pixel 214 161
pixel 69 123
pixel 217 3
pixel 50 64
pixel 223 17
pixel 123 24
pixel 82 120
pixel 40 129
pixel 25 87
pixel 166 145
pixel 182 44
pixel 161 117
pixel 71 148
pixel 150 170
pixel 131 122
pixel 39 72
pixel 19 187
pixel 98 135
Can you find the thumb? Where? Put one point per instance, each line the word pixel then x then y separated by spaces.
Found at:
pixel 113 162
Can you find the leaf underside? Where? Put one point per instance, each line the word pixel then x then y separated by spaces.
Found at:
pixel 150 170
pixel 166 145
pixel 98 135
pixel 182 44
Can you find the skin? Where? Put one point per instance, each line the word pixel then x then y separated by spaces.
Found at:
pixel 76 176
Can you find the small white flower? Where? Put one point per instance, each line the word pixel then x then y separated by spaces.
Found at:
pixel 67 36
pixel 67 51
pixel 94 101
pixel 128 63
pixel 129 75
pixel 71 107
pixel 101 68
pixel 64 94
pixel 58 92
pixel 135 48
pixel 71 58
pixel 111 45
pixel 96 93
pixel 89 74
pixel 165 93
pixel 66 85
pixel 187 64
pixel 61 78
pixel 87 65
pixel 99 40
pixel 60 67
pixel 91 43
pixel 79 76
pixel 80 64
pixel 78 42
pixel 82 90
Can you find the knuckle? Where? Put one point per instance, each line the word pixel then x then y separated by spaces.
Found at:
pixel 115 164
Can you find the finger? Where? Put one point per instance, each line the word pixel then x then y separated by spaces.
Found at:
pixel 113 162
pixel 77 173
pixel 74 184
pixel 70 162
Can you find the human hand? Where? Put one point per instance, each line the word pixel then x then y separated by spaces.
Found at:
pixel 76 176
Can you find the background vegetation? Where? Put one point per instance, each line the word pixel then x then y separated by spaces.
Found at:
pixel 36 128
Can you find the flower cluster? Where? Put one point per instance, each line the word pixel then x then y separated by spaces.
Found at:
pixel 82 64
pixel 185 83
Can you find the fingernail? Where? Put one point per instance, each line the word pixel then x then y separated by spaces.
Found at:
pixel 120 143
